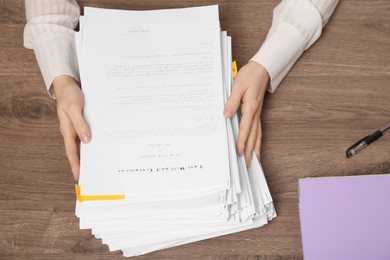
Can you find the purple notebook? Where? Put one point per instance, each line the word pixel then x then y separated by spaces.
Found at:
pixel 345 218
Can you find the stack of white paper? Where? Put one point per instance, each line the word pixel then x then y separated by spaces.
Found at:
pixel 161 169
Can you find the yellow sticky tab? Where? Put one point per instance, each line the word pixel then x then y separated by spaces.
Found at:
pixel 234 68
pixel 83 198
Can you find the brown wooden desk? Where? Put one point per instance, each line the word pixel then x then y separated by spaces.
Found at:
pixel 338 92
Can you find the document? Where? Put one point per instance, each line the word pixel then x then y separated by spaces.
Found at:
pixel 161 169
pixel 162 93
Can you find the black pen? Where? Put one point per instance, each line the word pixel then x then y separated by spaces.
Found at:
pixel 365 141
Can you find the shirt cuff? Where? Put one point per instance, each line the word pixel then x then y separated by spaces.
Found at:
pixel 297 24
pixel 279 53
pixel 56 55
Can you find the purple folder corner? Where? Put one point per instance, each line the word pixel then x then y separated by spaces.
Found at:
pixel 345 218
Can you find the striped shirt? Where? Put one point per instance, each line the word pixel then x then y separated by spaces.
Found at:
pixel 296 25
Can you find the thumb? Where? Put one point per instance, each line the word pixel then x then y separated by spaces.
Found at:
pixel 234 101
pixel 80 126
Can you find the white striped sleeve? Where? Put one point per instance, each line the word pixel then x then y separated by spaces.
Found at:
pixel 50 33
pixel 296 25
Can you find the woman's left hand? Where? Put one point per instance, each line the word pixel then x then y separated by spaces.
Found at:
pixel 249 88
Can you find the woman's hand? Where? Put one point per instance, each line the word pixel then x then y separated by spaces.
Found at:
pixel 248 88
pixel 70 104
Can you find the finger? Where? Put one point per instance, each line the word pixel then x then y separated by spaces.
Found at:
pixel 259 130
pixel 248 111
pixel 71 142
pixel 234 101
pixel 250 143
pixel 79 124
pixel 72 151
pixel 258 141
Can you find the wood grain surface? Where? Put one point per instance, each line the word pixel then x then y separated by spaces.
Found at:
pixel 338 92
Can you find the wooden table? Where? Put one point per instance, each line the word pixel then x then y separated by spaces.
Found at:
pixel 338 92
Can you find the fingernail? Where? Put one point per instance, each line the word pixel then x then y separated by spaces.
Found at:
pixel 84 138
pixel 248 162
pixel 75 174
pixel 228 112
